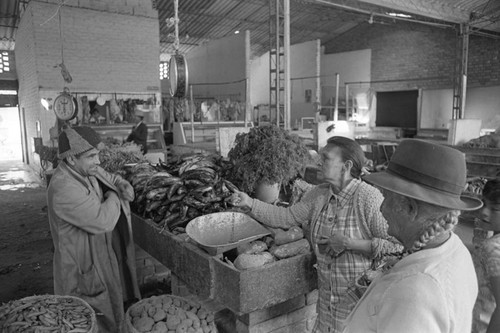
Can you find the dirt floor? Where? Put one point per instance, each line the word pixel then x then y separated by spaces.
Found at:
pixel 25 241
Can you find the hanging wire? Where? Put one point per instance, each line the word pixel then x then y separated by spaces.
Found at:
pixel 64 71
pixel 57 11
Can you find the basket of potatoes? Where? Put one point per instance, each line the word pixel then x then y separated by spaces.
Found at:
pixel 169 314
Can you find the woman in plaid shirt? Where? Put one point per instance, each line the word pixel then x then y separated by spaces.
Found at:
pixel 345 227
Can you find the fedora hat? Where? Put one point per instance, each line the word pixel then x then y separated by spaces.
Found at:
pixel 428 172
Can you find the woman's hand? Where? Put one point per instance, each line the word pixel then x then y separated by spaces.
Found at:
pixel 334 245
pixel 241 199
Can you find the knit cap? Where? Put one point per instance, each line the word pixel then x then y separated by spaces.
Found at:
pixel 77 140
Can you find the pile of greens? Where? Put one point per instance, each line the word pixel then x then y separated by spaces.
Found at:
pixel 114 157
pixel 267 153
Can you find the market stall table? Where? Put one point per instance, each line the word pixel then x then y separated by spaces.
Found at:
pixel 263 299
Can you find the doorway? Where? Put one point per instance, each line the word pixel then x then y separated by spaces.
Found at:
pixel 397 109
pixel 10 134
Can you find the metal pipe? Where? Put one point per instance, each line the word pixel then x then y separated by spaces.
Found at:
pixel 192 113
pixel 336 111
pixel 286 56
pixel 346 99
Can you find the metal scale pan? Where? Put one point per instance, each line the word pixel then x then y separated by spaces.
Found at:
pixel 219 232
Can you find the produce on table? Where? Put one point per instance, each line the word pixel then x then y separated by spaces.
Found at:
pixel 291 249
pixel 173 194
pixel 246 260
pixel 284 244
pixel 47 313
pixel 486 141
pixel 252 247
pixel 168 313
pixel 114 157
pixel 267 154
pixel 287 236
pixel 474 186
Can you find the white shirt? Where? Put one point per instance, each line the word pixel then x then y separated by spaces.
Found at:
pixel 428 291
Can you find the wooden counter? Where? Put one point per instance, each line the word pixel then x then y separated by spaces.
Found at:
pixel 209 277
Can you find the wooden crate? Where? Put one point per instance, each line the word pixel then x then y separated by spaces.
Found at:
pixel 209 277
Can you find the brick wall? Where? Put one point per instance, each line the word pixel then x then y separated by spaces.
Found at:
pixel 29 100
pixel 411 56
pixel 109 47
pixel 150 270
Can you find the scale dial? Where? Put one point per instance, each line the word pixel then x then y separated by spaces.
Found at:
pixel 65 107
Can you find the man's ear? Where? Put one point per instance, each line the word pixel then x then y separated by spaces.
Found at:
pixel 71 160
pixel 412 206
pixel 348 165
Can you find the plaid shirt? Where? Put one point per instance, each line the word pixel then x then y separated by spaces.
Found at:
pixel 335 274
pixel 355 212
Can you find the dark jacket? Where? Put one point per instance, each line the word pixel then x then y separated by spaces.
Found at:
pixel 139 136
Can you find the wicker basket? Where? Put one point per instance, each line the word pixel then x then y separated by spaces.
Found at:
pixel 59 312
pixel 163 302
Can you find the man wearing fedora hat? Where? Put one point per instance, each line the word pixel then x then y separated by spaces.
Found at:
pixel 434 287
pixel 89 217
pixel 139 134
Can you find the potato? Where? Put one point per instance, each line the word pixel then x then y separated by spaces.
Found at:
pixel 159 315
pixel 252 247
pixel 202 313
pixel 144 324
pixel 160 326
pixel 136 310
pixel 151 311
pixel 177 302
pixel 191 330
pixel 181 329
pixel 193 317
pixel 172 322
pixel 291 249
pixel 172 310
pixel 291 235
pixel 144 313
pixel 181 314
pixel 167 301
pixel 246 261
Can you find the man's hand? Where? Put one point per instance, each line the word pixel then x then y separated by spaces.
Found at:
pixel 125 191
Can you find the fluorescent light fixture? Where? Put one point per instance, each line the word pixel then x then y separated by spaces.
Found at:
pixel 8 92
pixel 236 32
pixel 399 15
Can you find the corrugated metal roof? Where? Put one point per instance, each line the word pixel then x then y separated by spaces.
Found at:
pixel 203 20
pixel 9 19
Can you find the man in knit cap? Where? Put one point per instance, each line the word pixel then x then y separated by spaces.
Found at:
pixel 89 218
